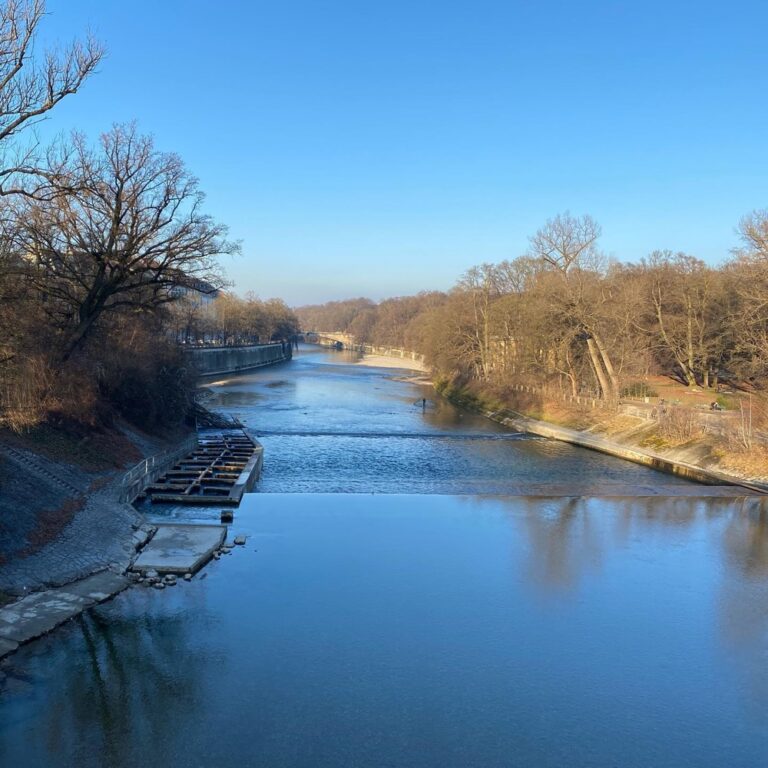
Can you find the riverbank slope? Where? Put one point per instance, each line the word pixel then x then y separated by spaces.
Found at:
pixel 706 458
pixel 61 515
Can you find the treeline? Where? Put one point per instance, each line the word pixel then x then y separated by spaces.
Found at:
pixel 228 319
pixel 105 251
pixel 565 315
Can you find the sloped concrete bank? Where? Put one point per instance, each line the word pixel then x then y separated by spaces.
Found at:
pixel 669 462
pixel 40 612
pixel 87 561
pixel 98 554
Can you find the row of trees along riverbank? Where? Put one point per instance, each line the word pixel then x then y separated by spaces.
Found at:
pixel 106 255
pixel 564 318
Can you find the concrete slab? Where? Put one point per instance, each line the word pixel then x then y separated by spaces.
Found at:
pixel 7 646
pixel 39 613
pixel 180 548
pixel 98 587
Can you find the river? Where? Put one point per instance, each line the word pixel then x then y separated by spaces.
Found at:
pixel 397 605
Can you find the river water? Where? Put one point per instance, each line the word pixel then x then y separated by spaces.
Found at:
pixel 395 605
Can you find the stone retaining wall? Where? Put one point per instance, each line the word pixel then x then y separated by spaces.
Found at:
pixel 211 361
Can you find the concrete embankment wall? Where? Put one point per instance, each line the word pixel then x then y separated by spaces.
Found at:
pixel 648 458
pixel 403 354
pixel 215 360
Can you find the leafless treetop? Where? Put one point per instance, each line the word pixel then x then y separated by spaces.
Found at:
pixel 30 85
pixel 566 241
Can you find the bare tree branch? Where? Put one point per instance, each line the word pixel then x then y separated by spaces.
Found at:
pixel 122 228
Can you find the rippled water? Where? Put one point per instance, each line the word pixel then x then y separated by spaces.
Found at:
pixel 328 425
pixel 396 629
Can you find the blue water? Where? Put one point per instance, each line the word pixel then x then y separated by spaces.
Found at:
pixel 435 631
pixel 330 426
pixel 439 628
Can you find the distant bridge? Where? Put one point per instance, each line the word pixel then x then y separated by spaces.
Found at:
pixel 339 340
pixel 335 339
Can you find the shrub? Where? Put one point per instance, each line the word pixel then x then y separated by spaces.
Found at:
pixel 639 389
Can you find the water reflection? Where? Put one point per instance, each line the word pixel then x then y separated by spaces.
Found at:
pixel 636 626
pixel 746 539
pixel 430 631
pixel 567 536
pixel 744 611
pixel 118 684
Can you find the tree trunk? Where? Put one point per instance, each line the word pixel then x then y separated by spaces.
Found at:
pixel 597 364
pixel 77 337
pixel 691 363
pixel 606 358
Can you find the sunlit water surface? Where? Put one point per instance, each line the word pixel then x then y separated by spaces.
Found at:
pixel 328 425
pixel 439 630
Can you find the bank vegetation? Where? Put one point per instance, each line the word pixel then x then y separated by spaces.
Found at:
pixel 107 258
pixel 563 332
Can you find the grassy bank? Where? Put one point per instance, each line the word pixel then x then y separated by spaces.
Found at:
pixel 675 439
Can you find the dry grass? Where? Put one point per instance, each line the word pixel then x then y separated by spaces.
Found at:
pixel 50 523
pixel 90 449
pixel 752 463
pixel 618 424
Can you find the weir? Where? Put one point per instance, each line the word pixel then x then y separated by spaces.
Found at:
pixel 220 470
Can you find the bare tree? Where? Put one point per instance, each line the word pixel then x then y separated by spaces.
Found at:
pixel 131 238
pixel 481 285
pixel 31 86
pixel 566 241
pixel 753 229
pixel 748 317
pixel 569 246
pixel 685 313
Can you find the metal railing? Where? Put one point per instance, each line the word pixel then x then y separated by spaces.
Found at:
pixel 136 479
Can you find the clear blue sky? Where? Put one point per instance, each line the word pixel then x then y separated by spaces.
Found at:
pixel 381 148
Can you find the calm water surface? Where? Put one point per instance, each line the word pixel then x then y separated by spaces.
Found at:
pixel 386 629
